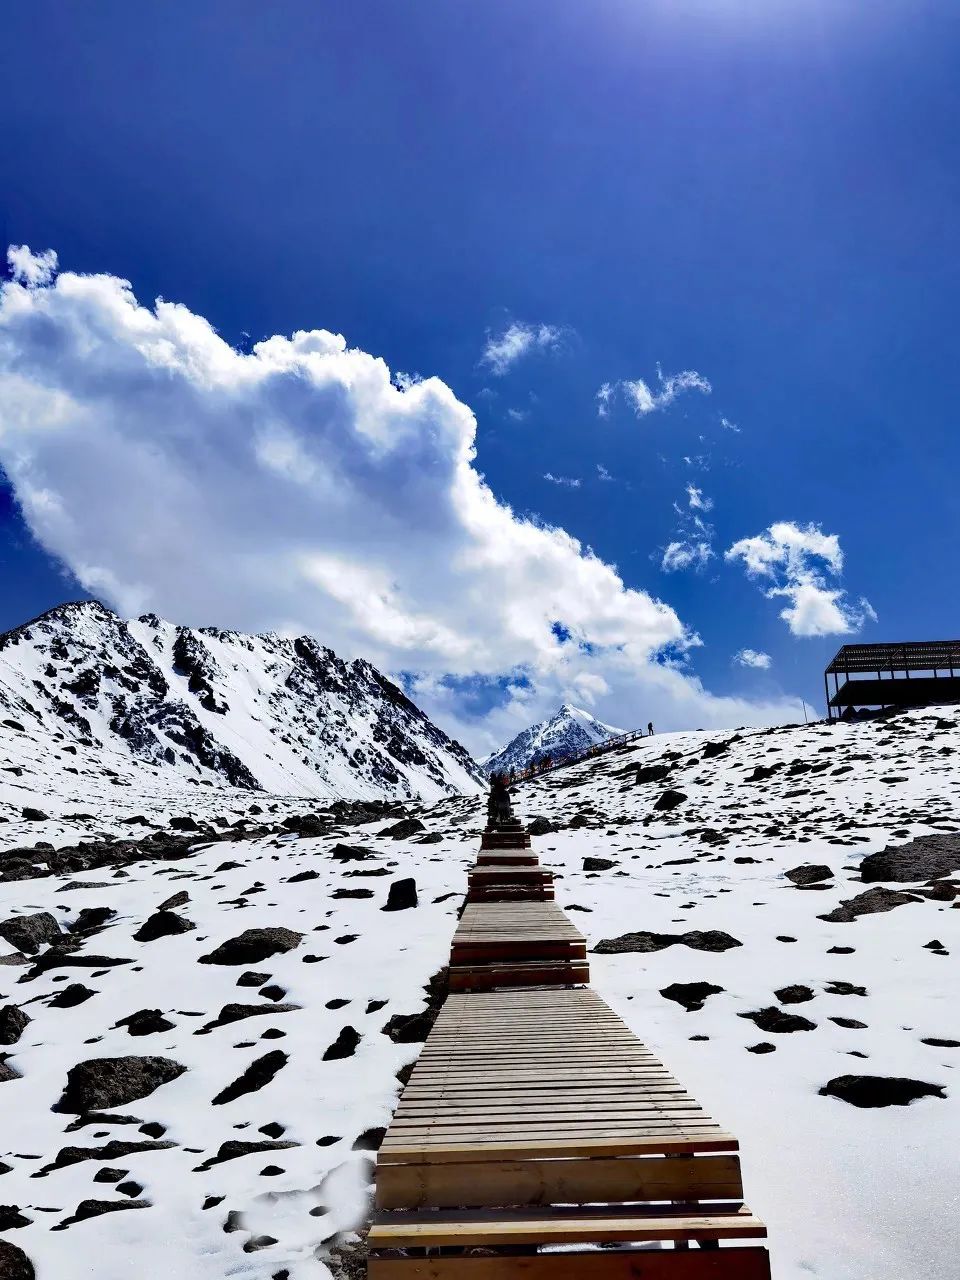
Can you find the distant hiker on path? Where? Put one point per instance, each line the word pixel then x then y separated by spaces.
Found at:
pixel 649 728
pixel 499 808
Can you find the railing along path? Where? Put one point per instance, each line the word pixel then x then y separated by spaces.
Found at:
pixel 538 1138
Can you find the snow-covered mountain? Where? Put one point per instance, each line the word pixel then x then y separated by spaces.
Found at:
pixel 84 692
pixel 567 733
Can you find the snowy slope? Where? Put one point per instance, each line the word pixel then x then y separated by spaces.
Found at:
pixel 154 701
pixel 848 1193
pixel 567 733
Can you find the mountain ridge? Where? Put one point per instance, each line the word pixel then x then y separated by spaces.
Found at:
pixel 220 707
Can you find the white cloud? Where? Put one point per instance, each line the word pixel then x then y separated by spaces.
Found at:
pixel 730 426
pixel 31 269
pixel 644 400
pixel 685 555
pixel 602 472
pixel 518 415
pixel 799 562
pixel 603 397
pixel 567 482
pixel 753 658
pixel 696 499
pixel 296 488
pixel 517 340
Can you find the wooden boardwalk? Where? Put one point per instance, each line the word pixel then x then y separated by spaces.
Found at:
pixel 537 1137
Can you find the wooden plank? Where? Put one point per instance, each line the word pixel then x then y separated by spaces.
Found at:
pixel 395 1150
pixel 545 1182
pixel 500 1231
pixel 740 1263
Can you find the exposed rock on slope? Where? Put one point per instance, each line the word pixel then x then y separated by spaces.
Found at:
pixel 81 686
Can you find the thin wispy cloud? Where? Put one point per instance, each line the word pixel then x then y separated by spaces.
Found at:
pixel 566 482
pixel 503 350
pixel 697 500
pixel 802 565
pixel 603 473
pixel 681 555
pixel 754 658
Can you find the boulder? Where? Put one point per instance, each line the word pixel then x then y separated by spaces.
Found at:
pixel 345 1045
pixel 253 945
pixel 403 829
pixel 925 858
pixel 14 1263
pixel 880 1091
pixel 145 1022
pixel 162 924
pixel 101 1083
pixel 690 994
pixel 670 799
pixel 598 864
pixel 28 933
pixel 13 1023
pixel 259 1073
pixel 773 1019
pixel 810 873
pixel 868 903
pixel 402 895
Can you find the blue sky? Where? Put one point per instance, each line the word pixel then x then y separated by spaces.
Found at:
pixel 763 194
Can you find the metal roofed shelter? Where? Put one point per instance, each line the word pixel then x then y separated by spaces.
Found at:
pixel 884 675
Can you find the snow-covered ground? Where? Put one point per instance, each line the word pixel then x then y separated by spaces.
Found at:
pixel 848 1193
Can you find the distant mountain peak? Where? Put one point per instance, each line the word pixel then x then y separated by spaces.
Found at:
pixel 567 733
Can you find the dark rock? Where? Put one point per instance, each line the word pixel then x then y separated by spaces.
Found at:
pixel 11 1217
pixel 540 826
pixel 28 933
pixel 273 1130
pixel 351 853
pixel 351 893
pixel 810 873
pixel 7 1073
pixel 302 876
pixel 94 1208
pixel 797 994
pixel 432 837
pixel 14 1263
pixel 644 941
pixel 598 864
pixel 162 924
pixel 369 1140
pixel 236 1012
pixel 763 1047
pixel 670 799
pixel 129 1188
pixel 153 1129
pixel 91 920
pixel 114 1150
pixel 259 1073
pixel 690 994
pixel 410 1028
pixel 70 996
pixel 776 1021
pixel 253 945
pixel 13 1023
pixel 925 858
pixel 183 822
pixel 101 1083
pixel 880 1091
pixel 402 895
pixel 234 1149
pixel 252 979
pixel 345 1045
pixel 145 1022
pixel 33 815
pixel 851 1024
pixel 110 1175
pixel 177 900
pixel 651 773
pixel 835 988
pixel 272 992
pixel 403 829
pixel 868 903
pixel 938 1043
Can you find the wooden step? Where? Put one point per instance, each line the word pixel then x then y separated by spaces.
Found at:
pixel 606 1225
pixel 750 1263
pixel 529 973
